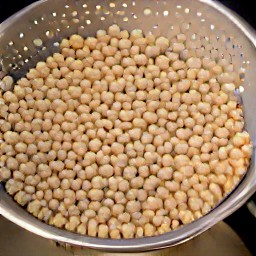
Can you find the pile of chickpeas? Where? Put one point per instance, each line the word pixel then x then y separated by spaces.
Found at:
pixel 121 136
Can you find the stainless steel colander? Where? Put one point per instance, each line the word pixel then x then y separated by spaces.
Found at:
pixel 35 32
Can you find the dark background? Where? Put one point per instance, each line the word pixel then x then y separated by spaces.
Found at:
pixel 241 221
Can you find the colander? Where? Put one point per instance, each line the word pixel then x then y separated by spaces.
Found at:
pixel 211 30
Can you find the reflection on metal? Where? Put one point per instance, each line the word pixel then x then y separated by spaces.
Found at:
pixel 219 240
pixel 252 208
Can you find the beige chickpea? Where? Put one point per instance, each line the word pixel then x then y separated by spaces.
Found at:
pixel 152 51
pixel 173 76
pixel 13 186
pixel 146 118
pixel 92 227
pixel 128 230
pixel 12 163
pixel 75 41
pixel 186 216
pixel 183 85
pixel 133 206
pixel 195 141
pixel 236 153
pixel 165 96
pixel 5 126
pixel 124 44
pixel 117 209
pixel 135 133
pixel 5 174
pixel 203 75
pixel 216 190
pixel 54 182
pixel 178 47
pixel 183 134
pixel 137 182
pixel 167 160
pixel 136 34
pixel 163 43
pixel 91 42
pixel 103 231
pixel 238 140
pixel 114 30
pixel 162 62
pixel 204 107
pixel 141 83
pixel 150 117
pixel 189 122
pixel 247 150
pixel 22 198
pixel 106 170
pixel 222 132
pixel 141 42
pixel 22 158
pixel 194 63
pixel 181 148
pixel 104 214
pixel 149 229
pixel 7 83
pixel 81 229
pixel 150 39
pixel 12 137
pixel 95 194
pixel 178 65
pixel 115 234
pixel 140 59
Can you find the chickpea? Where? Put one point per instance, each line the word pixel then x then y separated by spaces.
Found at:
pixel 149 229
pixel 123 135
pixel 13 186
pixel 152 51
pixel 5 174
pixel 194 63
pixel 162 62
pixel 186 216
pixel 163 43
pixel 106 170
pixel 222 132
pixel 140 59
pixel 181 148
pixel 183 134
pixel 178 47
pixel 150 117
pixel 236 153
pixel 195 141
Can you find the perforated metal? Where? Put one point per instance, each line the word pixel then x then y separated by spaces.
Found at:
pixel 40 31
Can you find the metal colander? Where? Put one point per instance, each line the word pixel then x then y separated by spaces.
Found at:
pixel 211 30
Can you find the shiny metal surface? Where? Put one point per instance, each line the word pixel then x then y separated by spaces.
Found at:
pixel 31 35
pixel 219 240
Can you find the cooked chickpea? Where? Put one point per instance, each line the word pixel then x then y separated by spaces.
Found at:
pixel 162 42
pixel 152 51
pixel 150 117
pixel 162 62
pixel 5 174
pixel 236 153
pixel 194 63
pixel 122 135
